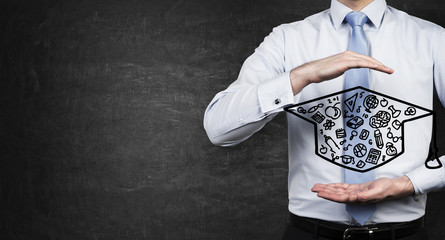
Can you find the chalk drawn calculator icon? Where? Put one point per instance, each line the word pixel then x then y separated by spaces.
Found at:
pixel 359 129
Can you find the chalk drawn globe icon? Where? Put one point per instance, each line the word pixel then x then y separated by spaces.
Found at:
pixel 371 102
pixel 360 150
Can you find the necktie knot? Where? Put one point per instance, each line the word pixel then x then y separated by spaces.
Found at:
pixel 356 19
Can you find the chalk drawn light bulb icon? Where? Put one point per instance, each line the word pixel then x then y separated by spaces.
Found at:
pixel 344 135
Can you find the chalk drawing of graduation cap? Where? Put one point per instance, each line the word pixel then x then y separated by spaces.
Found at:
pixel 359 129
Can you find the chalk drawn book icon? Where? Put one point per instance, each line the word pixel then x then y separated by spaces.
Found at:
pixel 374 121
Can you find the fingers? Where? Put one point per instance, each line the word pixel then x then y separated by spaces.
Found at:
pixel 350 198
pixel 347 193
pixel 337 192
pixel 332 187
pixel 356 60
pixel 331 67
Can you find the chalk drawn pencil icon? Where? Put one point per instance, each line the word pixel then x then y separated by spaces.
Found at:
pixel 375 121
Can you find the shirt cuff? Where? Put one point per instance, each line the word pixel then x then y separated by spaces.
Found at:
pixel 426 180
pixel 275 93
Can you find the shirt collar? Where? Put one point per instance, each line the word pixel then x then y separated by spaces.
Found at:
pixel 375 11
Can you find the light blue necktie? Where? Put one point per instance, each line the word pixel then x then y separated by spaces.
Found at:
pixel 354 78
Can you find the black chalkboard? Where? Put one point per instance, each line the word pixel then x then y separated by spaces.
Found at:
pixel 101 120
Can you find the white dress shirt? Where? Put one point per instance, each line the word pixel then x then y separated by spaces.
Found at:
pixel 413 47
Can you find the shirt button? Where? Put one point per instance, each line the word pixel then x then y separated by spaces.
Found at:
pixel 277 101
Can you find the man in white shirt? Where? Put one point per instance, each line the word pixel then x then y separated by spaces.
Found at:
pixel 307 59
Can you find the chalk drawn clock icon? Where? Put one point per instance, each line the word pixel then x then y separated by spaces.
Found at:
pixel 358 129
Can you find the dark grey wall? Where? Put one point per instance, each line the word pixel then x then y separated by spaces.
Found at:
pixel 101 107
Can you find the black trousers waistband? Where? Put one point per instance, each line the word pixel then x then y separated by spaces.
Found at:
pixel 381 231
